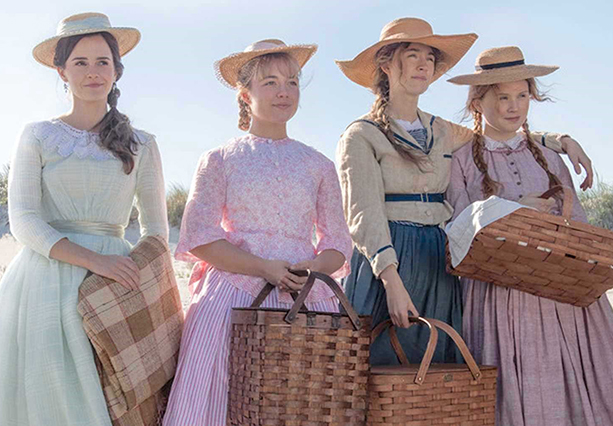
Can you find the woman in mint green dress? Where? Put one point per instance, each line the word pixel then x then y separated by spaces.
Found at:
pixel 72 185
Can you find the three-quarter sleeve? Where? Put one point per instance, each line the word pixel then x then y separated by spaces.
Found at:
pixel 456 194
pixel 330 226
pixel 150 192
pixel 25 196
pixel 364 199
pixel 203 215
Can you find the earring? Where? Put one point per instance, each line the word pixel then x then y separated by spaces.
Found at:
pixel 66 87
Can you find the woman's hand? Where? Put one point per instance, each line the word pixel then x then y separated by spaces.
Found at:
pixel 277 273
pixel 399 302
pixel 121 269
pixel 579 158
pixel 541 204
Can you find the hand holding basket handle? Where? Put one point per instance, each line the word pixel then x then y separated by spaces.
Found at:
pixel 299 300
pixel 427 359
pixel 567 200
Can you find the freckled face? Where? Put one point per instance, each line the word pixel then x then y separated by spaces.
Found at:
pixel 505 107
pixel 274 94
pixel 90 70
pixel 411 70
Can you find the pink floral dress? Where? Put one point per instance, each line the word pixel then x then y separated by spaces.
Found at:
pixel 277 199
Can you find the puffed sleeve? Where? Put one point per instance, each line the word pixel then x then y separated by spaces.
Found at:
pixel 204 211
pixel 461 135
pixel 456 194
pixel 25 195
pixel 364 198
pixel 150 192
pixel 330 228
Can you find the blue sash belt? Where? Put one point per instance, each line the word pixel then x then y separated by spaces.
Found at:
pixel 424 198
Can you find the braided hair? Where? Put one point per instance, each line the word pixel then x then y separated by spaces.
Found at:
pixel 489 186
pixel 116 132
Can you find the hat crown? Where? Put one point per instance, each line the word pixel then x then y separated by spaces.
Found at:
pixel 83 22
pixel 499 55
pixel 270 43
pixel 406 28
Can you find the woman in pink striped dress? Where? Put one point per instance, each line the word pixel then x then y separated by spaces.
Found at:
pixel 252 209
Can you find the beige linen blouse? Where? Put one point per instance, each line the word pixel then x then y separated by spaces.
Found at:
pixel 370 167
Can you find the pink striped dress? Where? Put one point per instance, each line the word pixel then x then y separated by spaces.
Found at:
pixel 272 198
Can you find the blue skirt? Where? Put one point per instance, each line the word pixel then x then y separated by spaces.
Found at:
pixel 435 293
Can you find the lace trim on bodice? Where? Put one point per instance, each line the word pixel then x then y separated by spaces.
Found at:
pixel 67 140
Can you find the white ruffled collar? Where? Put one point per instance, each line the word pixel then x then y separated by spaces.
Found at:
pixel 513 143
pixel 56 135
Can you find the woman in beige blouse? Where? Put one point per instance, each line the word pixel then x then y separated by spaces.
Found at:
pixel 394 165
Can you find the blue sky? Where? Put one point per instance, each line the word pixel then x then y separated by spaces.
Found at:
pixel 169 87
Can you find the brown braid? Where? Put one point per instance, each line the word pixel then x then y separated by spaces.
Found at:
pixel 381 89
pixel 244 113
pixel 539 157
pixel 489 186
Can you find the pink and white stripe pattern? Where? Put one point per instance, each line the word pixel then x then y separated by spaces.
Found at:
pixel 199 395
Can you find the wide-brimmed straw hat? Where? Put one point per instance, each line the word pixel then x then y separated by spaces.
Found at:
pixel 362 68
pixel 502 65
pixel 227 68
pixel 85 23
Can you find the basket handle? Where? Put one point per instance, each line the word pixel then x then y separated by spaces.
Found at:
pixel 427 359
pixel 306 289
pixel 567 200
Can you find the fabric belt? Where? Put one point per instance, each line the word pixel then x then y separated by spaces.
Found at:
pixel 92 228
pixel 424 198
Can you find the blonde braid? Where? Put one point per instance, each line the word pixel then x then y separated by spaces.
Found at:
pixel 489 186
pixel 539 157
pixel 244 113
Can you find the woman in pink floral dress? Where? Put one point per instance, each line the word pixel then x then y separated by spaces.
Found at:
pixel 252 209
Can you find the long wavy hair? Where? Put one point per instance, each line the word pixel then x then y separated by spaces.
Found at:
pixel 381 89
pixel 116 132
pixel 253 68
pixel 489 186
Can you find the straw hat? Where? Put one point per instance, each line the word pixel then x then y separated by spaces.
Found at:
pixel 362 68
pixel 502 65
pixel 85 23
pixel 227 68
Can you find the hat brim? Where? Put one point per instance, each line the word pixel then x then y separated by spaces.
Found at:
pixel 127 39
pixel 503 75
pixel 227 68
pixel 361 69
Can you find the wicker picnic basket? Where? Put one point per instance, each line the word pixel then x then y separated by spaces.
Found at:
pixel 543 254
pixel 298 367
pixel 431 394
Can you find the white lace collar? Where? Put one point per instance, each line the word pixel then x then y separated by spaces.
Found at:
pixel 59 136
pixel 513 143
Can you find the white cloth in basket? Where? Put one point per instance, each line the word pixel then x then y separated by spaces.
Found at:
pixel 462 231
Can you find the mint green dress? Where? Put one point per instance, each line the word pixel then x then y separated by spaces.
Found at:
pixel 61 175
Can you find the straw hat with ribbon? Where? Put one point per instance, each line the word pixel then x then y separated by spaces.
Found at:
pixel 85 23
pixel 362 68
pixel 502 65
pixel 227 68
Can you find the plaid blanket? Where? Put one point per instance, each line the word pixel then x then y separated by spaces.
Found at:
pixel 135 334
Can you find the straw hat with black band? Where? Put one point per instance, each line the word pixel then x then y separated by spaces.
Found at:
pixel 362 68
pixel 502 65
pixel 227 68
pixel 85 23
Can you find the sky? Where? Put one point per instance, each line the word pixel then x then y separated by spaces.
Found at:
pixel 169 86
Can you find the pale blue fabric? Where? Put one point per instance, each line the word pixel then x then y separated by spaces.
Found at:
pixel 47 371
